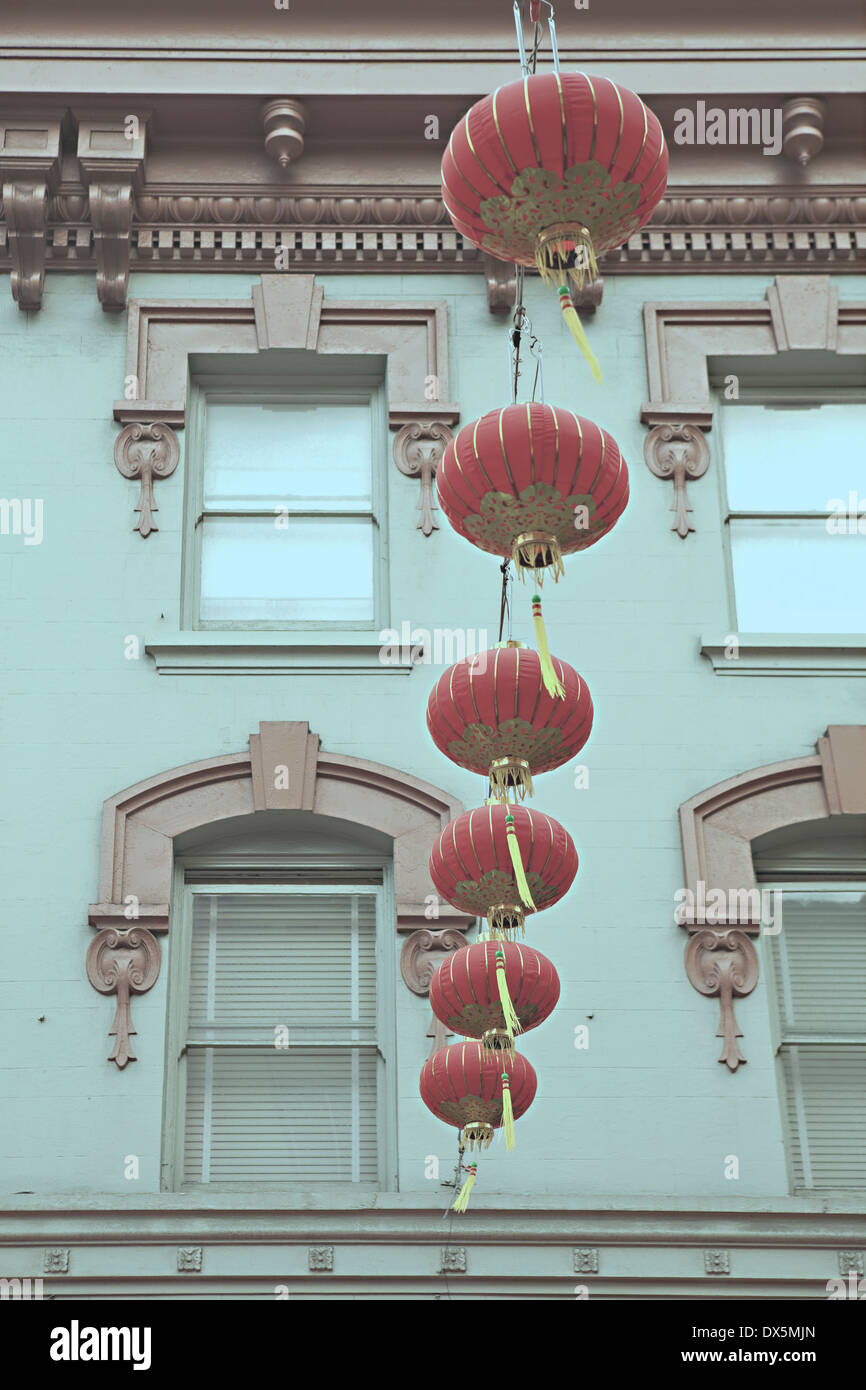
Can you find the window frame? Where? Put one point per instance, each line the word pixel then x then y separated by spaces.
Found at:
pixel 256 869
pixel 777 877
pixel 355 388
pixel 768 394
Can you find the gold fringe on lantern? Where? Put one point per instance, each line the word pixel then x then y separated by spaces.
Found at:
pixel 510 778
pixel 517 864
pixel 564 253
pixel 552 684
pixel 497 1042
pixel 505 921
pixel 512 1022
pixel 537 551
pixel 507 1112
pixel 461 1201
pixel 477 1134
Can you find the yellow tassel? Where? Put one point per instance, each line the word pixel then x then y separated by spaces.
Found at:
pixel 572 318
pixel 552 684
pixel 461 1202
pixel 517 863
pixel 512 1022
pixel 507 1112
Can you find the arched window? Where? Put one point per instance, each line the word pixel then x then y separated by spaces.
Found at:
pixel 816 980
pixel 282 877
pixel 777 857
pixel 280 1064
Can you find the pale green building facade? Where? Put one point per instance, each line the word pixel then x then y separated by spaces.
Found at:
pixel 179 754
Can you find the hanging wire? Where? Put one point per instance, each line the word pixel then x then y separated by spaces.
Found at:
pixel 551 25
pixel 505 604
pixel 518 24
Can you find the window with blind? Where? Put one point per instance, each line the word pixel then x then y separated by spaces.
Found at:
pixel 817 973
pixel 281 1060
pixel 795 517
pixel 286 496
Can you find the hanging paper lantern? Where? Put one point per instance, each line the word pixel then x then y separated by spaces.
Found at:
pixel 477 1091
pixel 492 990
pixel 501 862
pixel 493 713
pixel 532 483
pixel 553 170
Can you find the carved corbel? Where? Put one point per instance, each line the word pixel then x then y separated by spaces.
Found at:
pixel 678 451
pixel 30 171
pixel 418 962
pixel 111 158
pixel 501 280
pixel 418 449
pixel 148 452
pixel 723 965
pixel 123 963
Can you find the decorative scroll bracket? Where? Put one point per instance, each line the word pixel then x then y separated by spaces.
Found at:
pixel 678 451
pixel 123 963
pixel 29 172
pixel 148 452
pixel 418 449
pixel 111 158
pixel 723 964
pixel 501 280
pixel 418 964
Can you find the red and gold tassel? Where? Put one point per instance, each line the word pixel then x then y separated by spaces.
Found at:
pixel 552 684
pixel 507 1112
pixel 461 1201
pixel 512 1022
pixel 572 319
pixel 517 864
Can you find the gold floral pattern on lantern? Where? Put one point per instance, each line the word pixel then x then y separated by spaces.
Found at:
pixel 497 886
pixel 470 1109
pixel 501 517
pixel 539 198
pixel 480 745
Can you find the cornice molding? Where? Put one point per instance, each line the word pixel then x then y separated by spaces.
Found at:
pixel 342 230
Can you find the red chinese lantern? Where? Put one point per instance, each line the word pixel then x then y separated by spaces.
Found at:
pixel 493 713
pixel 501 862
pixel 532 483
pixel 553 170
pixel 477 1091
pixel 492 990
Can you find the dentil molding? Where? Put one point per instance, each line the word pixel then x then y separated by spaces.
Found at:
pixel 182 227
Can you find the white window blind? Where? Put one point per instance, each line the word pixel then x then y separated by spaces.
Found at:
pixel 288 521
pixel 798 558
pixel 261 1112
pixel 818 970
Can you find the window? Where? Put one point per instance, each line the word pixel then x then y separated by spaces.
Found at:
pixel 280 1016
pixel 797 557
pixel 816 972
pixel 285 506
